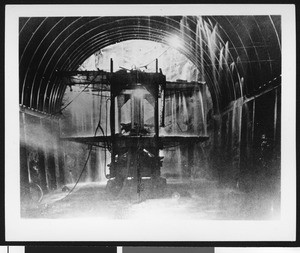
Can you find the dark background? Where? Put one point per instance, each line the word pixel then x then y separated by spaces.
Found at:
pixel 167 250
pixel 86 249
pixel 73 249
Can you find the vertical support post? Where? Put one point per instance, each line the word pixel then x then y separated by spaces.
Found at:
pixel 120 103
pixel 141 104
pixel 156 116
pixel 112 128
pixel 163 105
pixel 112 112
pixel 156 172
pixel 156 65
pixel 175 103
pixel 132 111
pixel 111 65
pixel 172 113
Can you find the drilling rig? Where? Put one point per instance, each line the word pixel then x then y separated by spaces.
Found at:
pixel 135 144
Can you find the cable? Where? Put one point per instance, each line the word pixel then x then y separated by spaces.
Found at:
pixel 100 113
pixel 145 66
pixel 102 130
pixel 90 150
pixel 100 116
pixel 86 86
pixel 83 169
pixel 63 108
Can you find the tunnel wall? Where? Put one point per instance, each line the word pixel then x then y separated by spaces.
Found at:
pixel 243 150
pixel 41 154
pixel 246 142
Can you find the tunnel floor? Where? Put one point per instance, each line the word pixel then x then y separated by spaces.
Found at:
pixel 182 199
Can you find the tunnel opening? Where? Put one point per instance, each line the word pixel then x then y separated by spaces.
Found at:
pixel 185 109
pixel 236 104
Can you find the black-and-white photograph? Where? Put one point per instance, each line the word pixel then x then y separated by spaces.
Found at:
pixel 157 117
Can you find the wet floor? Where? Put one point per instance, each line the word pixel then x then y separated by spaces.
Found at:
pixel 190 199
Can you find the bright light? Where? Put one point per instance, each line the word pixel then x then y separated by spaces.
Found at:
pixel 160 209
pixel 138 93
pixel 175 42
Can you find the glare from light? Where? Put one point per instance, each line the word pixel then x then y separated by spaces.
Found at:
pixel 168 209
pixel 138 93
pixel 175 42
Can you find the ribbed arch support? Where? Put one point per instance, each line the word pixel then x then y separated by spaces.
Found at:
pixel 235 55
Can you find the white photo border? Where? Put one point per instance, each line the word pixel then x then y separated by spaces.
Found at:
pixel 94 229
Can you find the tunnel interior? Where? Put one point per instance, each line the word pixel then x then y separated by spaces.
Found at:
pixel 222 84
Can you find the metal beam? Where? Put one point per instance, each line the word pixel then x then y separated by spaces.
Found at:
pixel 101 77
pixel 132 141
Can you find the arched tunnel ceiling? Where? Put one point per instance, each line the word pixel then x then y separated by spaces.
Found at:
pixel 248 46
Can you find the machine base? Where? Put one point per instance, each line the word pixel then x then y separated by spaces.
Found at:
pixel 144 188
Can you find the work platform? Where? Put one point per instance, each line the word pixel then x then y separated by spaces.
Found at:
pixel 134 141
